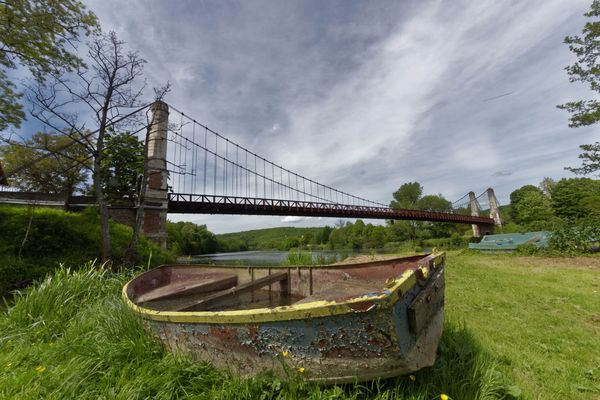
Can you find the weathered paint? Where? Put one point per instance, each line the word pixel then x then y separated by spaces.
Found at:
pixel 334 341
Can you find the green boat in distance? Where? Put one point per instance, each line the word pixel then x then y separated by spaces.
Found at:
pixel 330 323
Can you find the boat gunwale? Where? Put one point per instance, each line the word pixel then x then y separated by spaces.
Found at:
pixel 384 298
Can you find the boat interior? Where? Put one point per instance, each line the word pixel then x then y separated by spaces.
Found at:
pixel 211 287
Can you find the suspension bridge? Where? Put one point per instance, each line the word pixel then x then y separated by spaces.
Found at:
pixel 194 169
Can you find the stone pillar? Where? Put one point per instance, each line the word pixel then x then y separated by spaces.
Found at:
pixel 474 213
pixel 156 201
pixel 494 211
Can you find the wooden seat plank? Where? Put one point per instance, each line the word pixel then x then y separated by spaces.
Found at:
pixel 202 284
pixel 212 299
pixel 342 290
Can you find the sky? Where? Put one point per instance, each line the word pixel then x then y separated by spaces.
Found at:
pixel 365 96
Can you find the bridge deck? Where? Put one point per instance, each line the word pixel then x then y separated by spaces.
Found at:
pixel 211 204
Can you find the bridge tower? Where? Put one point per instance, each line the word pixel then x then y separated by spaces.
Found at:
pixel 156 200
pixel 474 213
pixel 494 210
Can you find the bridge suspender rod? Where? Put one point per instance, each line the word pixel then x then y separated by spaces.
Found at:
pixel 293 191
pixel 258 175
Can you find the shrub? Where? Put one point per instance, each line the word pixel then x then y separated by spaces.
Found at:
pixel 576 237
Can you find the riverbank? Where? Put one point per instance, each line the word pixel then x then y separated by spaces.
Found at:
pixel 524 327
pixel 35 241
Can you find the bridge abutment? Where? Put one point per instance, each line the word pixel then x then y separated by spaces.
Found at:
pixel 156 200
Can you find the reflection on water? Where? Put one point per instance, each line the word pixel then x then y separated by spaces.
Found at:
pixel 267 258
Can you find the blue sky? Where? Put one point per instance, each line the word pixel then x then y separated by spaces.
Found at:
pixel 364 96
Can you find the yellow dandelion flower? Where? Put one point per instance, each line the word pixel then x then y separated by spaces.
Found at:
pixel 285 353
pixel 412 378
pixel 39 369
pixel 444 397
pixel 301 370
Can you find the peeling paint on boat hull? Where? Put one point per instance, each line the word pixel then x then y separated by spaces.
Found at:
pixel 359 341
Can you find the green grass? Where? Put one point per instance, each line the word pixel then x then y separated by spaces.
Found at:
pixel 513 325
pixel 539 318
pixel 34 241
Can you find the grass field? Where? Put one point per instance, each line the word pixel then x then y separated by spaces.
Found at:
pixel 538 317
pixel 517 327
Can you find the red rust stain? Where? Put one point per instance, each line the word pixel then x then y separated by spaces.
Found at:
pixel 224 335
pixel 253 333
pixel 375 341
pixel 227 340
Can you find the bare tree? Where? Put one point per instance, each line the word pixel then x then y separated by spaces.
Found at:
pixel 106 92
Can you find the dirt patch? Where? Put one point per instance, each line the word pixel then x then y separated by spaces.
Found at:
pixel 596 318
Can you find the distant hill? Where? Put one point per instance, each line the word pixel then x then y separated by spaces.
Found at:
pixel 270 238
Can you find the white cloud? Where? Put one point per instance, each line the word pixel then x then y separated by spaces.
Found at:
pixel 381 94
pixel 293 220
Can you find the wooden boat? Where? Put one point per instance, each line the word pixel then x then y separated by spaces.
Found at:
pixel 333 323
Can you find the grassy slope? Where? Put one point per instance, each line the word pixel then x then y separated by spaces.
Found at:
pixel 522 322
pixel 34 241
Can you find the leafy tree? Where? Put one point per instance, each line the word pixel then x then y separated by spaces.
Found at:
pixel 63 172
pixel 337 239
pixel 546 186
pixel 407 196
pixel 434 202
pixel 324 234
pixel 410 196
pixel 122 167
pixel 576 198
pixel 376 236
pixel 289 243
pixel 534 210
pixel 400 231
pixel 517 195
pixel 586 70
pixel 187 238
pixel 591 159
pixel 41 36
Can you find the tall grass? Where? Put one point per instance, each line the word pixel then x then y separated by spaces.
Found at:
pixel 299 257
pixel 71 336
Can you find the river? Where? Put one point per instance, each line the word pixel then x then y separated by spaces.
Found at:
pixel 260 257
